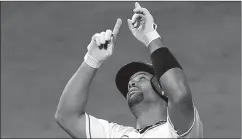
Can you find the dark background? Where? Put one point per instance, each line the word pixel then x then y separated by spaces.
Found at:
pixel 43 44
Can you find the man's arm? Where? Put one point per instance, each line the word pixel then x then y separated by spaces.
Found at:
pixel 70 114
pixel 180 105
pixel 167 69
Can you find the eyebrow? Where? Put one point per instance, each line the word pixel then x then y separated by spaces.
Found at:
pixel 142 73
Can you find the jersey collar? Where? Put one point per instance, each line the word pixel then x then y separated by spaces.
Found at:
pixel 142 130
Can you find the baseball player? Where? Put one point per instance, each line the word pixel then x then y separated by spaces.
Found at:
pixel 158 94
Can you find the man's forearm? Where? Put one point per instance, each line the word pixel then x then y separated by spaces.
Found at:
pixel 74 97
pixel 171 78
pixel 155 44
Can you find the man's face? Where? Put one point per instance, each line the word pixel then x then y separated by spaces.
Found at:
pixel 140 89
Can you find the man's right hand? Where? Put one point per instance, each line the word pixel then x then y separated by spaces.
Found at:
pixel 101 46
pixel 142 24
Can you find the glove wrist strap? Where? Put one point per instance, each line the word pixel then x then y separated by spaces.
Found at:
pixel 92 61
pixel 151 36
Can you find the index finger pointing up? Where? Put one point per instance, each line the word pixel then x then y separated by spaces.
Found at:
pixel 137 5
pixel 117 27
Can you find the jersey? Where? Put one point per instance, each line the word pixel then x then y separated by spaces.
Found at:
pixel 99 128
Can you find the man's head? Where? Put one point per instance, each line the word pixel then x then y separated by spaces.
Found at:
pixel 140 89
pixel 137 84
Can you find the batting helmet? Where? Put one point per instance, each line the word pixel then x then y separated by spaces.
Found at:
pixel 124 74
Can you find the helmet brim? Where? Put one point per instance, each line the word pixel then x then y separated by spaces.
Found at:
pixel 124 74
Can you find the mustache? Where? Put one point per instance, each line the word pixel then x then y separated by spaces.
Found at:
pixel 133 90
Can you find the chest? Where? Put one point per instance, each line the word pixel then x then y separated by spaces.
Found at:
pixel 161 131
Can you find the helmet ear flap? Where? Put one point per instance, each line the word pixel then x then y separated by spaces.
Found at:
pixel 157 87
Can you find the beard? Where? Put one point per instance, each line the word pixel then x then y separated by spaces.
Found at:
pixel 135 99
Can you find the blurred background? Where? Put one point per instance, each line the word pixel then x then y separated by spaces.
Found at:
pixel 43 44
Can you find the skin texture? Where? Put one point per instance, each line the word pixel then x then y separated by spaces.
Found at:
pixel 70 113
pixel 140 82
pixel 144 102
pixel 173 81
pixel 176 88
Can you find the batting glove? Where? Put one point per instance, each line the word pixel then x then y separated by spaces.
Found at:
pixel 142 25
pixel 101 46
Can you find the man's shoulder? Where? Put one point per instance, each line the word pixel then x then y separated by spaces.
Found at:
pixel 108 128
pixel 196 129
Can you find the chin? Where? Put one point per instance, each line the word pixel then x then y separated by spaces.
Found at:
pixel 136 99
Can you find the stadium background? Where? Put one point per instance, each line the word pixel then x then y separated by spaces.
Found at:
pixel 43 44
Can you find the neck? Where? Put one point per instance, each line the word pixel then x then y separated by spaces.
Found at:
pixel 149 114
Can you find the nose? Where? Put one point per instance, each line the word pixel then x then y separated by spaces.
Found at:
pixel 132 84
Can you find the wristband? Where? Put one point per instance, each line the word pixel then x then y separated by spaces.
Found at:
pixel 163 60
pixel 151 36
pixel 92 61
